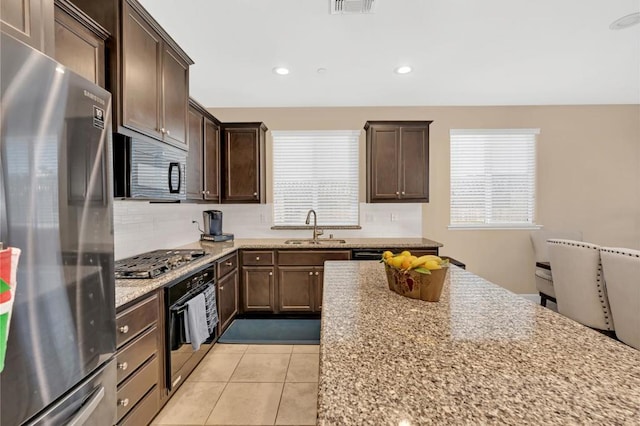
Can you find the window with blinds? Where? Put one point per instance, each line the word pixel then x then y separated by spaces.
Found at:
pixel 493 178
pixel 315 170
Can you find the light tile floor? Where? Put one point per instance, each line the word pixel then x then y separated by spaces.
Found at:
pixel 248 385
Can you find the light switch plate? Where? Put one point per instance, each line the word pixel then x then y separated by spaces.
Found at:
pixel 394 217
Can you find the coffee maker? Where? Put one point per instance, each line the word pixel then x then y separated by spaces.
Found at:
pixel 212 220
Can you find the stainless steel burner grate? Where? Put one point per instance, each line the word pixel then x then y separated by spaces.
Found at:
pixel 154 263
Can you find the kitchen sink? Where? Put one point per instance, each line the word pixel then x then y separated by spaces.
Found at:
pixel 310 241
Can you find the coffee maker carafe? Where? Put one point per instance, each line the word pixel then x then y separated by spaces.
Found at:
pixel 212 222
pixel 213 226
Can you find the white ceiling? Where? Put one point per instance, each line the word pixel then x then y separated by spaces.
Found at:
pixel 464 52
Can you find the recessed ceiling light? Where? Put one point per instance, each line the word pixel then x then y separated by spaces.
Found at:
pixel 405 69
pixel 281 70
pixel 625 21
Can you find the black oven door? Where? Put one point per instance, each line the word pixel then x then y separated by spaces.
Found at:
pixel 181 358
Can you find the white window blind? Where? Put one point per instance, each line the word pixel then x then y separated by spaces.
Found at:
pixel 315 170
pixel 493 178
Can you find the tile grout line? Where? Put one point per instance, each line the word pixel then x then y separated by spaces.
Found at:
pixel 284 382
pixel 225 386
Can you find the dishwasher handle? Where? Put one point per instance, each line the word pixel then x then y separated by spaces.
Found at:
pixel 370 254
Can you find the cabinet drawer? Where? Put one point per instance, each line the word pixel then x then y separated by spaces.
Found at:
pixel 257 258
pixel 135 319
pixel 226 265
pixel 145 411
pixel 310 257
pixel 132 391
pixel 136 353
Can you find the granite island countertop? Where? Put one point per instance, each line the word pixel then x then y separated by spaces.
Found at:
pixel 482 355
pixel 128 290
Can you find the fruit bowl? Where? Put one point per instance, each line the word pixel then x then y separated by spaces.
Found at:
pixel 414 277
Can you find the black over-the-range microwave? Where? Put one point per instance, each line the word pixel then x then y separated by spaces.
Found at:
pixel 146 169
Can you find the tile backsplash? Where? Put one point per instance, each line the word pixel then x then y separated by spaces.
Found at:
pixel 140 226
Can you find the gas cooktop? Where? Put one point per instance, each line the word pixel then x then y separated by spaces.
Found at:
pixel 154 263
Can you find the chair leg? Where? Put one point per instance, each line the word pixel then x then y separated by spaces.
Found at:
pixel 543 299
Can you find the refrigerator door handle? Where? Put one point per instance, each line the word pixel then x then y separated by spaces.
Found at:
pixel 80 418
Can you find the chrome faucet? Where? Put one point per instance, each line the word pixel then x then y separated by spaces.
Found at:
pixel 316 233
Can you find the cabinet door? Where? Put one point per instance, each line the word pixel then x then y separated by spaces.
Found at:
pixel 295 289
pixel 258 288
pixel 175 97
pixel 78 48
pixel 30 21
pixel 141 59
pixel 384 162
pixel 194 157
pixel 227 299
pixel 211 160
pixel 414 164
pixel 319 276
pixel 241 165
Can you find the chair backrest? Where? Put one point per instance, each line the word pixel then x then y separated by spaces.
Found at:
pixel 539 241
pixel 578 283
pixel 621 269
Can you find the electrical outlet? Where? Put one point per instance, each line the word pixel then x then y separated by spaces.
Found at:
pixel 394 217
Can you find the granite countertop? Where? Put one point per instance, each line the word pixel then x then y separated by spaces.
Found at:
pixel 482 355
pixel 128 290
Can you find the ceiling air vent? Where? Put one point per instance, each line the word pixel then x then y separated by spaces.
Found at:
pixel 350 7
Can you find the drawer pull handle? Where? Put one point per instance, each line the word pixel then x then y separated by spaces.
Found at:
pixel 124 329
pixel 316 274
pixel 123 402
pixel 257 257
pixel 229 263
pixel 310 273
pixel 123 365
pixel 255 194
pixel 270 273
pixel 402 192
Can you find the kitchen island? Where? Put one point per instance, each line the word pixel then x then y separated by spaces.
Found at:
pixel 482 355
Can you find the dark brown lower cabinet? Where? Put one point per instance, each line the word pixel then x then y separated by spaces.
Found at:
pixel 296 288
pixel 227 299
pixel 140 359
pixel 258 289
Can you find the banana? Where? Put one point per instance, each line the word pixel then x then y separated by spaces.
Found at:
pixel 422 259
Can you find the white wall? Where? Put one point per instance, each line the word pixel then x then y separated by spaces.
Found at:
pixel 141 226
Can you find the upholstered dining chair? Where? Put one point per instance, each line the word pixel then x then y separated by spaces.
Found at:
pixel 544 278
pixel 578 282
pixel 621 269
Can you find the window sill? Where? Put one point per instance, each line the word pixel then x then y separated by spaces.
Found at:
pixel 493 227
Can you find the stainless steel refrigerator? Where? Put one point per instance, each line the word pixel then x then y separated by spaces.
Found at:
pixel 56 206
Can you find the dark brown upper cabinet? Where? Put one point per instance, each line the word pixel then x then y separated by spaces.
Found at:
pixel 30 21
pixel 149 72
pixel 79 42
pixel 397 161
pixel 243 165
pixel 203 160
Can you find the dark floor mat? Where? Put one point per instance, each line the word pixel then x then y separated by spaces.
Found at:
pixel 273 331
